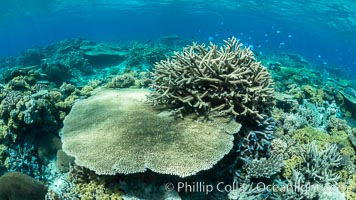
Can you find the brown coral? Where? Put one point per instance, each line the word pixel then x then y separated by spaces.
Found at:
pixel 18 186
pixel 117 132
pixel 226 80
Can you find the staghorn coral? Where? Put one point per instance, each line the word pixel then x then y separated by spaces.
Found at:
pixel 117 132
pixel 265 168
pixel 313 173
pixel 255 141
pixel 320 166
pixel 310 114
pixel 226 80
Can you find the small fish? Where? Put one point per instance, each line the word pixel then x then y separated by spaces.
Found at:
pixel 249 37
pixel 216 35
pixel 210 38
pixel 278 31
pixel 266 34
pixel 289 36
pixel 282 44
pixel 319 56
pixel 222 23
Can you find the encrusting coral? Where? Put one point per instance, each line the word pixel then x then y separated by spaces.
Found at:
pixel 227 80
pixel 117 132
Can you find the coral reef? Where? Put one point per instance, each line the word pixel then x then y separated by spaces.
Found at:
pixel 103 54
pixel 32 111
pixel 63 161
pixel 349 188
pixel 200 82
pixel 315 175
pixel 265 168
pixel 278 146
pixel 226 80
pixel 304 135
pixel 255 141
pixel 121 81
pixel 143 56
pixel 350 94
pixel 320 166
pixel 57 72
pixel 24 159
pixel 149 139
pixel 18 186
pixel 309 114
pixel 95 190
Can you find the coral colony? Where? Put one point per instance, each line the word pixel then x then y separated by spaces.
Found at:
pixel 84 120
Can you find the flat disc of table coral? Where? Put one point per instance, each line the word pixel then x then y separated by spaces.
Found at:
pixel 116 131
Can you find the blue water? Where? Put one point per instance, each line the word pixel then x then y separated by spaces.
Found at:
pixel 321 31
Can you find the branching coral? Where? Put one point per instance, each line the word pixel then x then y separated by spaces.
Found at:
pixel 265 168
pixel 320 166
pixel 255 142
pixel 225 80
pixel 23 159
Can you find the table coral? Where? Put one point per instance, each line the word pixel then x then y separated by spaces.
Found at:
pixel 117 132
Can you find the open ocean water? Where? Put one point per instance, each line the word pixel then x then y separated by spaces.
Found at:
pixel 74 74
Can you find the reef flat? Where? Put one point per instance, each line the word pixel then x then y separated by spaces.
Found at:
pixel 286 123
